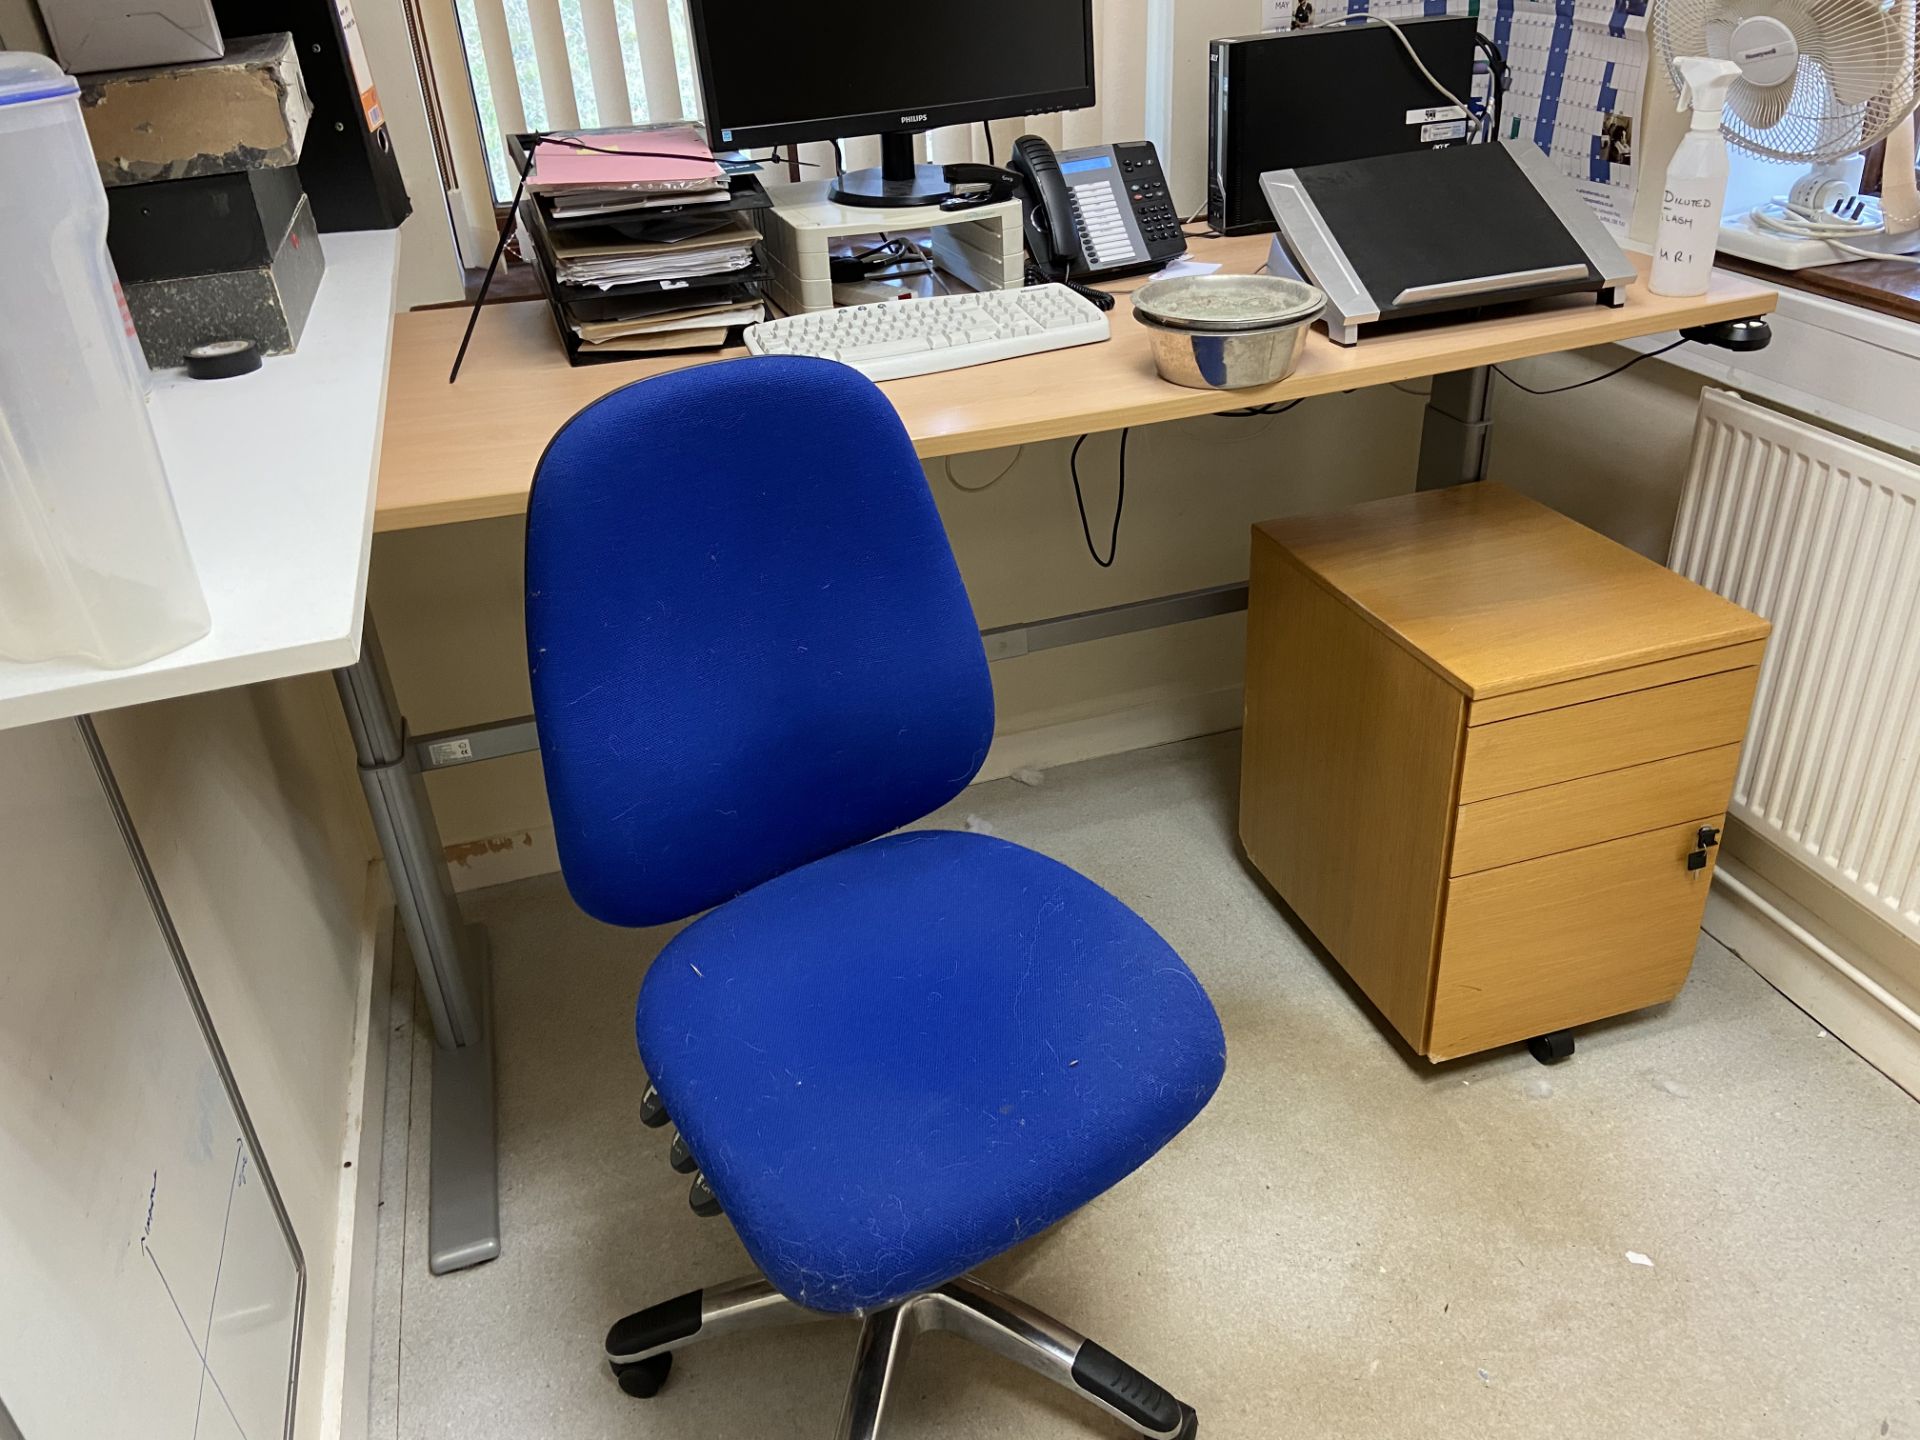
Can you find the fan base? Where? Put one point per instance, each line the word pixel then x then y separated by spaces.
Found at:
pixel 1739 236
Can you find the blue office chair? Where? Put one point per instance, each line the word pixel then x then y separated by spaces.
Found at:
pixel 889 1059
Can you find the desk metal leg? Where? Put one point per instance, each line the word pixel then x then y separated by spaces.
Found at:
pixel 1453 436
pixel 464 1207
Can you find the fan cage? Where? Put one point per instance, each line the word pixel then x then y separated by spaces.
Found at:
pixel 1814 124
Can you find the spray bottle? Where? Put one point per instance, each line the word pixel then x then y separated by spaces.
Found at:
pixel 1696 190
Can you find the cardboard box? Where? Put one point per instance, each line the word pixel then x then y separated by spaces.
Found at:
pixel 248 110
pixel 93 35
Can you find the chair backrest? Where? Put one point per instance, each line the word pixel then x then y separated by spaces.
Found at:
pixel 748 640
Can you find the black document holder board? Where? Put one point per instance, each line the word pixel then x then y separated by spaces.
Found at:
pixel 1425 232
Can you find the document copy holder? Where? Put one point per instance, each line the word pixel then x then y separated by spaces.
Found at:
pixel 1392 237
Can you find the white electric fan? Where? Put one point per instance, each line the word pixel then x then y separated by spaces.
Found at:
pixel 1820 81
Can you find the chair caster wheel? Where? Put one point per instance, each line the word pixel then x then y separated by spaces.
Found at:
pixel 642 1379
pixel 1551 1048
pixel 653 1110
pixel 701 1197
pixel 1192 1428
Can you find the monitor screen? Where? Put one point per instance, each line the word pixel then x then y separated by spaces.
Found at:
pixel 774 74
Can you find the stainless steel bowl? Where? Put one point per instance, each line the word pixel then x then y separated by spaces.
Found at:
pixel 1227 332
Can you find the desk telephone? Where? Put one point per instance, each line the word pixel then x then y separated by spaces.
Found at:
pixel 1096 212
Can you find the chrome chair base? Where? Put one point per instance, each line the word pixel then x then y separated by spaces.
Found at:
pixel 640 1349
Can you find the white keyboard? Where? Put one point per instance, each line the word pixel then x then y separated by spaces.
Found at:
pixel 892 338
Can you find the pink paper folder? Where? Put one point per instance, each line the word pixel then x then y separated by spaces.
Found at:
pixel 558 166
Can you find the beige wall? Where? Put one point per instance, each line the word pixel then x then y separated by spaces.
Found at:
pixel 247 804
pixel 448 599
pixel 1611 455
pixel 20 27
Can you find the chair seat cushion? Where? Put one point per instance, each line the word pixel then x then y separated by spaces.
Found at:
pixel 903 1059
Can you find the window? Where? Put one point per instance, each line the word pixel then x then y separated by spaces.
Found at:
pixel 562 64
pixel 565 64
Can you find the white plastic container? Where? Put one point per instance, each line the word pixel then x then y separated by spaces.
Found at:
pixel 92 559
pixel 1696 187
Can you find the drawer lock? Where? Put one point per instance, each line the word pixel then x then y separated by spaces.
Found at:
pixel 1708 837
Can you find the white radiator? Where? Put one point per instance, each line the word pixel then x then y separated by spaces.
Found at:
pixel 1821 535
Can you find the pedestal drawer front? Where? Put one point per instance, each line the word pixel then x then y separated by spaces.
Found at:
pixel 1567 939
pixel 1609 734
pixel 1552 818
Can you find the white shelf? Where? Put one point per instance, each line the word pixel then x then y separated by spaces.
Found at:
pixel 274 475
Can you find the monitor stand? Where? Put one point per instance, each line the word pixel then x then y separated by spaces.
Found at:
pixel 897 181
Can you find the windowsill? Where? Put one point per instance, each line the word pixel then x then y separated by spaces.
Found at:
pixel 1891 287
pixel 516 281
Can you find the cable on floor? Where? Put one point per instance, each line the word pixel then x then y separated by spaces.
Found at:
pixel 946 468
pixel 1591 379
pixel 1119 501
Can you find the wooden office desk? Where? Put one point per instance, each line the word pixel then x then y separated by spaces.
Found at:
pixel 468 451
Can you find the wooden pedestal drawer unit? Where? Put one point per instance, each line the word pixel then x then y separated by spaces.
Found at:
pixel 1486 758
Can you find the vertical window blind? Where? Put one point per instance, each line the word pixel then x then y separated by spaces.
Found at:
pixel 566 64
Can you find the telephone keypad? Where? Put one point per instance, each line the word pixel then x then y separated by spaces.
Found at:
pixel 1152 206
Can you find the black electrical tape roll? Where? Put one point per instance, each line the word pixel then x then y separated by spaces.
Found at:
pixel 222 359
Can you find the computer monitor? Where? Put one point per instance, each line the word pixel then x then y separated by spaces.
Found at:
pixel 778 75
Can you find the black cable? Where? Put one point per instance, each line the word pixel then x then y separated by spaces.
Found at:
pixel 1101 299
pixel 839 160
pixel 986 129
pixel 1497 71
pixel 1591 379
pixel 574 142
pixel 1119 501
pixel 493 265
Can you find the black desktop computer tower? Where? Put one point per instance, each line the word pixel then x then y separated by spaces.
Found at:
pixel 347 165
pixel 1327 94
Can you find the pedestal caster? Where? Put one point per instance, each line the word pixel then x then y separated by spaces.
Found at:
pixel 642 1379
pixel 1552 1047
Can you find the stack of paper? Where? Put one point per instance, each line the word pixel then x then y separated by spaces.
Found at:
pixel 642 240
pixel 588 257
pixel 671 160
pixel 672 329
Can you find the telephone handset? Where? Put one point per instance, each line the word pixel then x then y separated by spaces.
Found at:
pixel 1096 212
